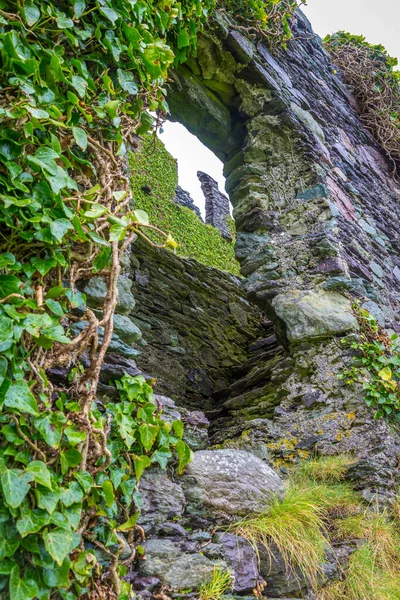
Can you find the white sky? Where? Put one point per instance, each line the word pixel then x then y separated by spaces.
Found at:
pixel 378 21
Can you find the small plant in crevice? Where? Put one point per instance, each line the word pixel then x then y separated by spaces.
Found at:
pixel 325 469
pixel 221 582
pixel 372 572
pixel 376 366
pixel 266 19
pixel 375 82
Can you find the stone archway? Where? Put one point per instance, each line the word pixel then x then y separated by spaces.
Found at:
pixel 314 202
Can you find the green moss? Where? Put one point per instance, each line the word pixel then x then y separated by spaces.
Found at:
pixel 154 169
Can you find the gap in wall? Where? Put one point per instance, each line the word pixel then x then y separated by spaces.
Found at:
pixel 192 156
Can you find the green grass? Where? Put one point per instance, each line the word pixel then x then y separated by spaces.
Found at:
pixel 154 168
pixel 220 583
pixel 326 469
pixel 320 509
pixel 364 579
pixel 295 525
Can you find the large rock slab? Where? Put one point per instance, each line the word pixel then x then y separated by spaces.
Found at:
pixel 232 482
pixel 314 314
pixel 175 569
pixel 163 500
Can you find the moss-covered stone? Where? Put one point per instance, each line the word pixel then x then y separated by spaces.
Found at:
pixel 154 180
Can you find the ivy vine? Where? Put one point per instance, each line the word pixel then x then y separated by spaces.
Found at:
pixel 376 365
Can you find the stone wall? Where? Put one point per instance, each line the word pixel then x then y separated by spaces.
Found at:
pixel 196 325
pixel 317 214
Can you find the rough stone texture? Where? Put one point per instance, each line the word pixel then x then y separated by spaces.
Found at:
pixel 217 205
pixel 196 324
pixel 241 556
pixel 176 569
pixel 163 500
pixel 317 212
pixel 314 314
pixel 96 290
pixel 231 482
pixel 183 198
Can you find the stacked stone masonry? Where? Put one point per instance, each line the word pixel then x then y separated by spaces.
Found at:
pixel 317 214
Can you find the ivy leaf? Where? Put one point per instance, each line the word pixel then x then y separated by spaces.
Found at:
pixel 64 22
pixel 55 307
pixel 148 434
pixel 6 259
pixel 161 457
pixel 47 499
pixel 185 455
pixel 80 137
pixel 73 514
pixel 79 7
pixel 50 427
pixel 80 84
pixel 31 521
pixel 102 259
pixel 141 216
pixel 74 436
pixel 385 374
pixel 127 82
pixel 141 463
pixel 3 369
pixel 43 265
pixel 183 38
pixel 31 13
pixel 130 523
pixel 72 494
pixel 15 486
pixel 95 211
pixel 8 541
pixel 59 228
pixel 57 543
pixel 108 492
pixel 85 480
pixel 109 13
pixel 117 232
pixel 177 426
pixel 20 398
pixel 21 588
pixel 40 473
pixel 70 458
pixel 9 284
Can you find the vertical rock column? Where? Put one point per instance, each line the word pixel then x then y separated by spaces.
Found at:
pixel 217 205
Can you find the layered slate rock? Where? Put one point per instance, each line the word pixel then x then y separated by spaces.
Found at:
pixel 318 218
pixel 196 323
pixel 183 198
pixel 314 314
pixel 217 205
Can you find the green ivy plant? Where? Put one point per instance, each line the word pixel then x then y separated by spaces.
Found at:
pixel 376 366
pixel 268 19
pixel 43 500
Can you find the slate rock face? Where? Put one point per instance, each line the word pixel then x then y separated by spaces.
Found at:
pixel 233 482
pixel 241 556
pixel 176 569
pixel 314 314
pixel 183 198
pixel 163 500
